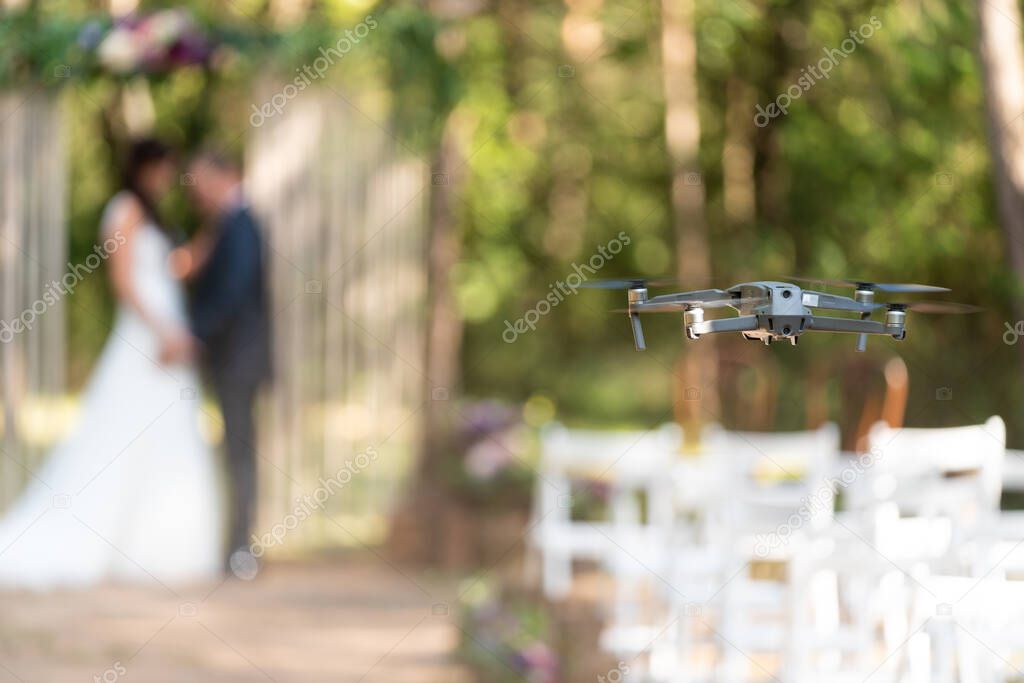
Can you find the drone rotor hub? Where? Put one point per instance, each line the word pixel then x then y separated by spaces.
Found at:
pixel 637 295
pixel 864 294
pixel 895 319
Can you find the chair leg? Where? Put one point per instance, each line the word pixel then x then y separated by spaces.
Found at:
pixel 733 664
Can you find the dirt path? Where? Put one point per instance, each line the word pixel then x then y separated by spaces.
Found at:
pixel 352 619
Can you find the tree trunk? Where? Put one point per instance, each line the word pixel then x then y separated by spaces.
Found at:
pixel 418 531
pixel 738 185
pixel 696 396
pixel 1002 60
pixel 444 324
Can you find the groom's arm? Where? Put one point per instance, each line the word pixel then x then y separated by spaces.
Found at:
pixel 237 270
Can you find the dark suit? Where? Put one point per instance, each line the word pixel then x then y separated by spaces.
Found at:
pixel 230 317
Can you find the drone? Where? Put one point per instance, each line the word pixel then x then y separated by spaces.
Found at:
pixel 771 311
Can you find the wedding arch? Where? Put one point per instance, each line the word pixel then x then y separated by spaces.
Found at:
pixel 343 208
pixel 33 251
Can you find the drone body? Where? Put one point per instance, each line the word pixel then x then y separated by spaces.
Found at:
pixel 771 311
pixel 780 311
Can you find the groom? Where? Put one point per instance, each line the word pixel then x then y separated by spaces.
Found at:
pixel 231 322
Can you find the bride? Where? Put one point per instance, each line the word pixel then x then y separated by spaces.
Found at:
pixel 132 494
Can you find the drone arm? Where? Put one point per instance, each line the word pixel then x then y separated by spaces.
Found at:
pixel 742 323
pixel 701 295
pixel 826 324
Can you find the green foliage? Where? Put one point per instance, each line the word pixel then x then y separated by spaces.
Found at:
pixel 424 85
pixel 34 49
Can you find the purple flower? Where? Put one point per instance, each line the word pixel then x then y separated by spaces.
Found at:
pixel 487 459
pixel 152 43
pixel 189 49
pixel 538 662
pixel 488 417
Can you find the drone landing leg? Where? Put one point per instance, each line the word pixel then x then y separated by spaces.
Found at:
pixel 638 332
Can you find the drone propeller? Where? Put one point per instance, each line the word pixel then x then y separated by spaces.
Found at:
pixel 627 283
pixel 935 307
pixel 631 284
pixel 875 286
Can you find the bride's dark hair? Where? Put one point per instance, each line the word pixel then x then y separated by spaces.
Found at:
pixel 141 154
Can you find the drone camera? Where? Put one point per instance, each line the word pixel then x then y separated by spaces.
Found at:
pixel 786 325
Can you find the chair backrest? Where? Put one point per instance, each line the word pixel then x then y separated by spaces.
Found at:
pixel 606 453
pixel 952 471
pixel 767 477
pixel 997 549
pixel 765 459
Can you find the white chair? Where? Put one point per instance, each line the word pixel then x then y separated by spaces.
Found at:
pixel 728 499
pixel 953 472
pixel 635 464
pixel 773 495
pixel 846 605
pixel 998 549
pixel 975 629
pixel 928 502
pixel 859 577
pixel 664 590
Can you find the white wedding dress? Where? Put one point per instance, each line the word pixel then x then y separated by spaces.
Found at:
pixel 132 495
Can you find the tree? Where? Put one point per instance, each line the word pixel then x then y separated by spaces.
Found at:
pixel 696 370
pixel 1002 61
pixel 424 85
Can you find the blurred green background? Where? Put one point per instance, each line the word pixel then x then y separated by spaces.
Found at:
pixel 881 171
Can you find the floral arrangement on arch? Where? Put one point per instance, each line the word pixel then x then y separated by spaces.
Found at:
pixel 54 49
pixel 148 43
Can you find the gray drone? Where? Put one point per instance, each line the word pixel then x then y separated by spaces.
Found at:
pixel 780 311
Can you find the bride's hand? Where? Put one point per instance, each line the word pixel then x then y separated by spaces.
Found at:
pixel 177 347
pixel 181 263
pixel 187 260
